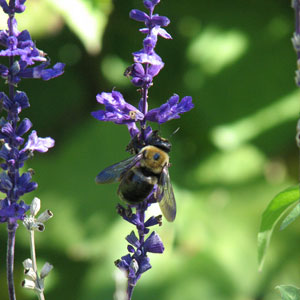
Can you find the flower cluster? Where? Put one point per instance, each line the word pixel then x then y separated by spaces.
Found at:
pixel 147 64
pixel 22 56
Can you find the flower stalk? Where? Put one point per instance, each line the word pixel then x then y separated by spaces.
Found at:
pixel 32 224
pixel 11 229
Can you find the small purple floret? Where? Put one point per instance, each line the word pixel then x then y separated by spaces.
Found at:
pixel 36 143
pixel 170 110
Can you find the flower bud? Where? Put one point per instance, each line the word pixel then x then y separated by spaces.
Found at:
pixel 45 216
pixel 27 263
pixel 35 206
pixel 30 273
pixel 28 284
pixel 46 270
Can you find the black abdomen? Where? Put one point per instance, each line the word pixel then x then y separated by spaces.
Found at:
pixel 135 186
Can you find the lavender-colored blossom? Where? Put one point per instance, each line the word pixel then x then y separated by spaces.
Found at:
pixel 36 143
pixel 24 60
pixel 118 111
pixel 150 21
pixel 16 6
pixel 12 212
pixel 170 110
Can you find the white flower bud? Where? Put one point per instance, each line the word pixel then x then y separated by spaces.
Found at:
pixel 46 270
pixel 28 284
pixel 134 265
pixel 27 263
pixel 30 273
pixel 45 216
pixel 35 206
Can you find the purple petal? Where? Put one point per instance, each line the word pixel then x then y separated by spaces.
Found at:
pixel 22 99
pixel 132 128
pixel 150 4
pixel 36 143
pixel 19 6
pixel 57 70
pixel 149 43
pixel 7 129
pixel 25 185
pixel 160 21
pixel 163 33
pixel 5 6
pixel 170 110
pixel 12 212
pixel 3 71
pixel 146 58
pixel 153 70
pixel 154 244
pixel 4 152
pixel 5 182
pixel 133 240
pixel 24 126
pixel 144 264
pixel 138 15
pixel 117 109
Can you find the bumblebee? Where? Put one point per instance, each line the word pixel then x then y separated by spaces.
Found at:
pixel 139 174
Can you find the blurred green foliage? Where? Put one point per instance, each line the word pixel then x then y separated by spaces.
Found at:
pixel 233 153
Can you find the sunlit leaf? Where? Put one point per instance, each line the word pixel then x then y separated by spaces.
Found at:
pixel 85 20
pixel 289 292
pixel 271 216
pixel 291 217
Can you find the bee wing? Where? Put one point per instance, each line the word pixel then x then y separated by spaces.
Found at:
pixel 115 172
pixel 166 196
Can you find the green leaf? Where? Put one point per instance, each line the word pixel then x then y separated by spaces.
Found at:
pixel 289 292
pixel 271 216
pixel 86 20
pixel 291 217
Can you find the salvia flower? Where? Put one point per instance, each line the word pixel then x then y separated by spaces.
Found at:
pixel 24 60
pixel 23 56
pixel 146 65
pixel 170 110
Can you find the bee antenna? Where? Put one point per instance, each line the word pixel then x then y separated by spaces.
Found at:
pixel 174 132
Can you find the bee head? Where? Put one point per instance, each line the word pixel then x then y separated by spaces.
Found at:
pixel 137 143
pixel 154 159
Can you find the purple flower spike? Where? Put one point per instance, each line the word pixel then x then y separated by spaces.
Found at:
pixel 170 110
pixel 36 143
pixel 147 64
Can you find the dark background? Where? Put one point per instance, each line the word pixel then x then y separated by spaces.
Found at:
pixel 234 151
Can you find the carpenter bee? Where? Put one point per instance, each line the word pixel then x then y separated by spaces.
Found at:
pixel 139 174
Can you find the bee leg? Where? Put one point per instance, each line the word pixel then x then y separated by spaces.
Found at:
pixel 128 212
pixel 120 210
pixel 159 220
